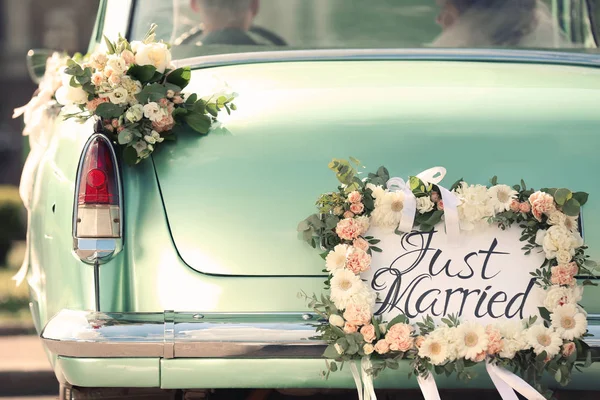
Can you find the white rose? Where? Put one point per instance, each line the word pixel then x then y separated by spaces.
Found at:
pixel 156 54
pixel 563 257
pixel 425 205
pixel 154 112
pixel 135 45
pixel 135 113
pixel 117 64
pixel 336 320
pixel 118 96
pixel 68 95
pixel 539 237
pixel 557 238
pixel 368 349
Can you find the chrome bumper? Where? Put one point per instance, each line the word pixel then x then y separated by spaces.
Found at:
pixel 191 335
pixel 182 335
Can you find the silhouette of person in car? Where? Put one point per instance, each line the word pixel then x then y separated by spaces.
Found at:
pixel 227 21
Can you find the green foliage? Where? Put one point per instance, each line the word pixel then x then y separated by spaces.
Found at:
pixel 180 77
pixel 109 110
pixel 142 73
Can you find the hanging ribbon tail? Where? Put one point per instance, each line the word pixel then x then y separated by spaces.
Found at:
pixel 432 175
pixel 428 387
pixel 410 203
pixel 369 389
pixel 357 380
pixel 507 383
pixel 451 216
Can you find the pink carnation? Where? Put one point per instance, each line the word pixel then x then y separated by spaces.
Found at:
pixel 348 229
pixel 440 205
pixel 382 347
pixel 357 208
pixel 368 332
pixel 358 261
pixel 480 357
pixel 495 342
pixel 361 243
pixel 165 124
pixel 568 349
pixel 399 337
pixel 419 341
pixel 564 274
pixel 357 314
pixel 93 104
pixel 541 203
pixel 525 207
pixel 354 197
pixel 349 328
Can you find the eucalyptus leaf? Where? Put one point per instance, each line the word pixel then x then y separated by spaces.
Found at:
pixel 581 197
pixel 142 73
pixel 180 77
pixel 198 122
pixel 572 207
pixel 561 196
pixel 109 110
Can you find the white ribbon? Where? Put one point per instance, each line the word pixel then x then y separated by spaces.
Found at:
pixel 363 380
pixel 428 387
pixel 431 176
pixel 506 383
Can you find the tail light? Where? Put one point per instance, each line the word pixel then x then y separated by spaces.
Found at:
pixel 97 215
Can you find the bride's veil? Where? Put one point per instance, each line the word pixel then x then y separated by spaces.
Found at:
pixel 508 23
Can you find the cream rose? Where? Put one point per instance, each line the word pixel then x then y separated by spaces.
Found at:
pixel 68 95
pixel 425 205
pixel 336 320
pixel 155 54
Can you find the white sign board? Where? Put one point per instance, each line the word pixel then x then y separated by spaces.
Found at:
pixel 487 278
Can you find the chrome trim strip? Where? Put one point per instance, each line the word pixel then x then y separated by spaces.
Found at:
pixel 484 55
pixel 171 334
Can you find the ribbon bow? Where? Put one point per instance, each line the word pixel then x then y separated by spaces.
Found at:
pixel 431 176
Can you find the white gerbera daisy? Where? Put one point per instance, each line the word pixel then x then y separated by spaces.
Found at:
pixel 435 347
pixel 513 337
pixel 569 322
pixel 388 210
pixel 544 339
pixel 501 197
pixel 344 285
pixel 471 340
pixel 336 259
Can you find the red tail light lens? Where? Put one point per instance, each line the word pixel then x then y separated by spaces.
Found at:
pixel 99 181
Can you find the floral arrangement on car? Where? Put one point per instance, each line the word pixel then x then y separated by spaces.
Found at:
pixel 137 93
pixel 551 342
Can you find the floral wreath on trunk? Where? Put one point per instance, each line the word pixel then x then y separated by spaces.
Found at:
pixel 549 222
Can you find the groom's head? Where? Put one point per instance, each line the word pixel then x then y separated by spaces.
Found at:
pixel 224 14
pixel 452 10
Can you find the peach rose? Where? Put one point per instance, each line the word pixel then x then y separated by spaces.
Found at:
pixel 541 203
pixel 568 349
pixel 399 337
pixel 349 328
pixel 382 347
pixel 165 124
pixel 357 208
pixel 348 229
pixel 440 205
pixel 435 197
pixel 97 79
pixel 495 342
pixel 93 104
pixel 358 261
pixel 525 207
pixel 419 341
pixel 114 80
pixel 128 57
pixel 361 243
pixel 115 123
pixel 368 332
pixel 515 206
pixel 163 102
pixel 357 314
pixel 348 214
pixel 354 197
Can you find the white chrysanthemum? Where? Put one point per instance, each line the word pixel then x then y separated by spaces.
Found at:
pixel 425 205
pixel 569 322
pixel 559 295
pixel 471 340
pixel 344 285
pixel 544 339
pixel 435 347
pixel 388 210
pixel 474 207
pixel 378 191
pixel 501 197
pixel 572 224
pixel 513 337
pixel 336 259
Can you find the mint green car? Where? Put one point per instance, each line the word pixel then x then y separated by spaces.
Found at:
pixel 189 280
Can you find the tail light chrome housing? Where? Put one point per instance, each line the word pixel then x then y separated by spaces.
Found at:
pixel 97 210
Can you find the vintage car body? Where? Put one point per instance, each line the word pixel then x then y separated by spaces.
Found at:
pixel 205 285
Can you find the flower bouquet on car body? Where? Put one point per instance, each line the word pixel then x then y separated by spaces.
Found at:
pixel 137 92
